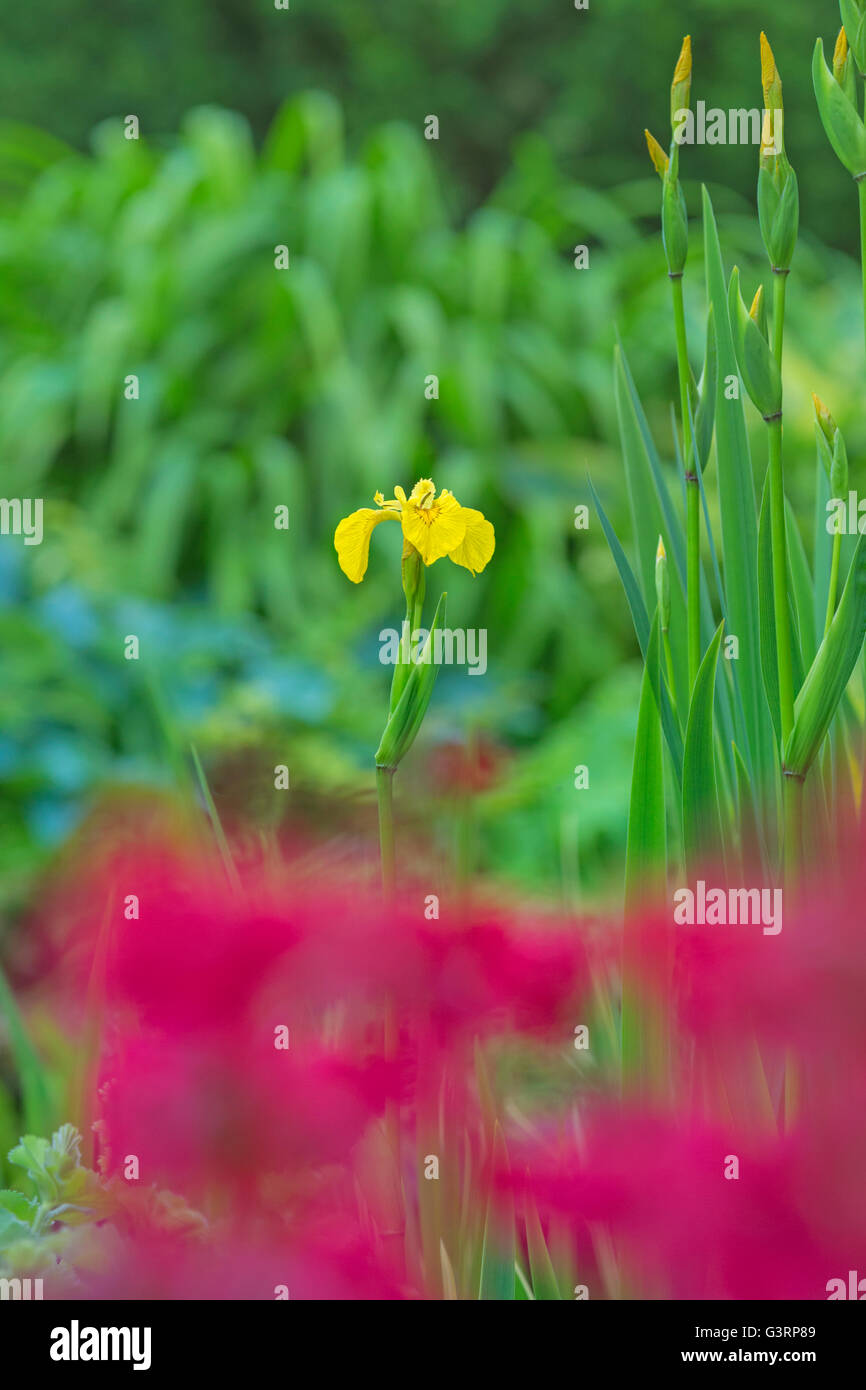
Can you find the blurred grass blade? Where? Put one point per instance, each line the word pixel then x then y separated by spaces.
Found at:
pixel 701 824
pixel 647 841
pixel 449 1283
pixel 641 622
pixel 652 516
pixel 831 670
pixel 645 869
pixel 675 536
pixel 544 1283
pixel 766 615
pixel 767 620
pixel 802 590
pixel 499 1252
pixel 737 506
pixel 32 1079
pixel 634 597
pixel 750 830
pixel 822 549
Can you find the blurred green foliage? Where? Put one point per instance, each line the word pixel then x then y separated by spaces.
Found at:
pixel 588 81
pixel 305 388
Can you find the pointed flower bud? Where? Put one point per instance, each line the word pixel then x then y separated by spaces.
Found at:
pixel 758 311
pixel 657 155
pixel 839 115
pixel 770 79
pixel 675 217
pixel 663 587
pixel 844 68
pixel 824 418
pixel 853 14
pixel 681 87
pixel 831 449
pixel 756 363
pixel 778 193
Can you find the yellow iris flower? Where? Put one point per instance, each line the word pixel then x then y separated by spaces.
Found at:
pixel 434 526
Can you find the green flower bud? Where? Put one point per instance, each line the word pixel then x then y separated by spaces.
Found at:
pixel 414 586
pixel 663 587
pixel 844 69
pixel 675 218
pixel 839 468
pixel 778 194
pixel 839 116
pixel 756 363
pixel 408 715
pixel 853 14
pixel 831 448
pixel 681 87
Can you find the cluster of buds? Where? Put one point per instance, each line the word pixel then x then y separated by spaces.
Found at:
pixel 675 221
pixel 831 449
pixel 757 365
pixel 778 194
pixel 836 89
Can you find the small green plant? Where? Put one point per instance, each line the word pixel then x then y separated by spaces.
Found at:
pixel 70 1212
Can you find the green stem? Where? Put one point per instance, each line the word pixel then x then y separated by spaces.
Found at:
pixel 385 792
pixel 693 510
pixel 861 190
pixel 780 284
pixel 834 581
pixel 793 809
pixel 780 581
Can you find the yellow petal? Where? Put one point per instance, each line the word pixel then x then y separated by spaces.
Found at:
pixel 478 543
pixel 352 540
pixel 437 531
pixel 423 491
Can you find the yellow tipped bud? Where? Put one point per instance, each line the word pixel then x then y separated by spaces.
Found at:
pixel 681 86
pixel 772 138
pixel 755 311
pixel 657 154
pixel 770 79
pixel 663 587
pixel 824 418
pixel 841 55
pixel 683 69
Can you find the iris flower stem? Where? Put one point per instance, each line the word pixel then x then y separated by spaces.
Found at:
pixel 693 501
pixel 780 285
pixel 385 792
